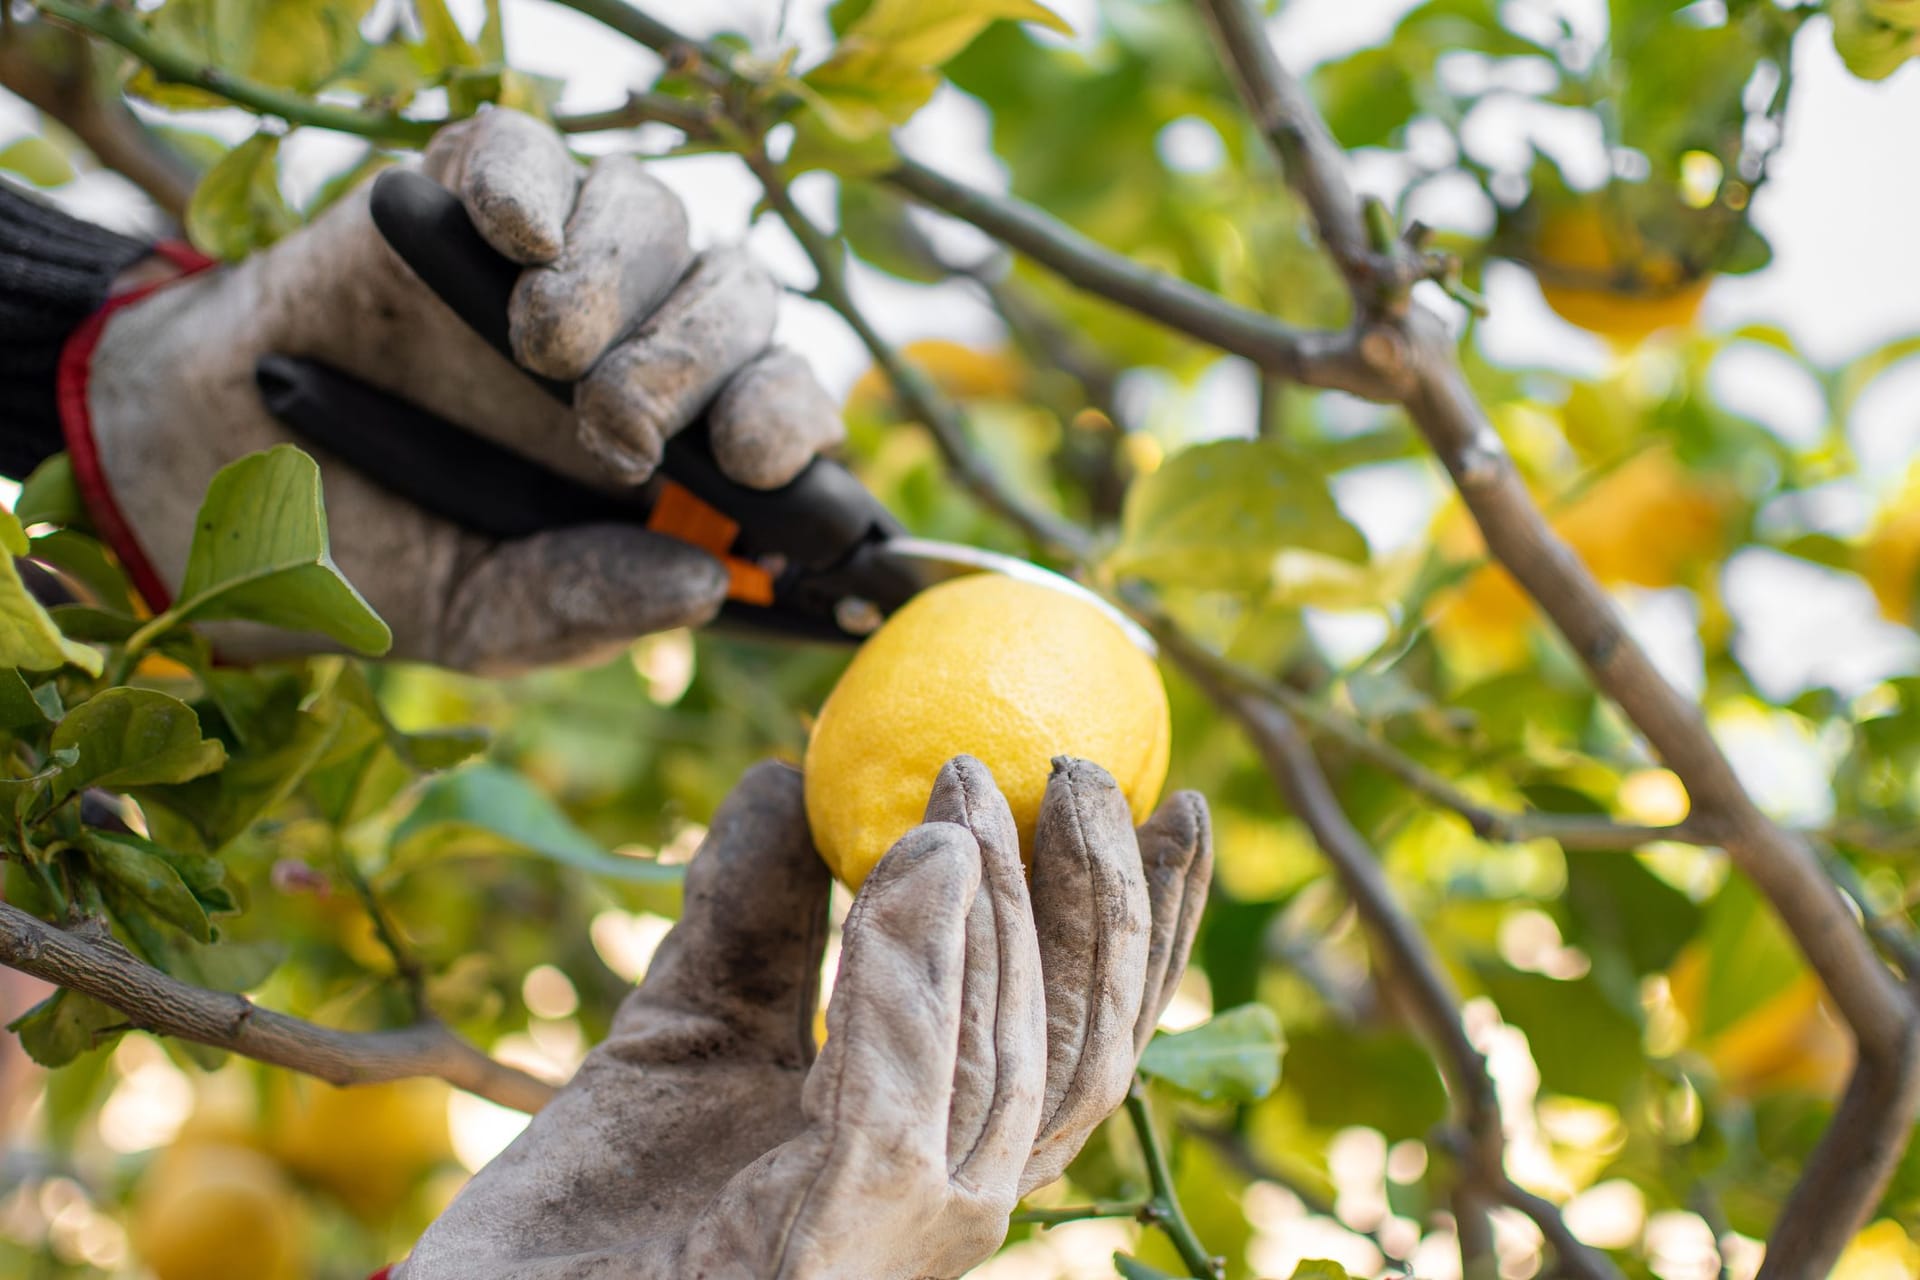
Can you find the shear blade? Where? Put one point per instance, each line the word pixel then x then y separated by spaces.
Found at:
pixel 938 561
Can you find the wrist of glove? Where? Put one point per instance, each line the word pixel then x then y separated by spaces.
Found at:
pixel 55 271
pixel 981 1027
pixel 611 297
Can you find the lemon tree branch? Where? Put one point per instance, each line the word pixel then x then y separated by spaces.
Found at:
pixel 95 964
pixel 1850 1168
pixel 52 69
pixel 120 27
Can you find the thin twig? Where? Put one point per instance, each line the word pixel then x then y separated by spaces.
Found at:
pixel 408 969
pixel 1081 1212
pixel 1331 360
pixel 157 1002
pixel 1056 535
pixel 1487 822
pixel 1165 1204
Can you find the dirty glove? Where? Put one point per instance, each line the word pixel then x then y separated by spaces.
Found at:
pixel 612 297
pixel 978 1032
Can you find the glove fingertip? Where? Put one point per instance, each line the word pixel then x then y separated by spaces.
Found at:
pixel 518 183
pixel 1179 830
pixel 771 418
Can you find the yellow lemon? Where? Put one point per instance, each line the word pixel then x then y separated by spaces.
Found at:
pixel 1010 672
pixel 367 1144
pixel 1647 523
pixel 1580 243
pixel 1890 559
pixel 1882 1251
pixel 217 1212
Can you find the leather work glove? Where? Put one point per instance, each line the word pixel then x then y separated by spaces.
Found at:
pixel 979 1031
pixel 612 296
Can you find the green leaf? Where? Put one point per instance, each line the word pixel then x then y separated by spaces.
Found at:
pixel 260 554
pixel 1234 1057
pixel 29 638
pixel 1320 1269
pixel 24 707
pixel 484 810
pixel 52 496
pixel 37 160
pixel 64 1026
pixel 1131 1268
pixel 925 33
pixel 1220 515
pixel 824 139
pixel 150 879
pixel 885 67
pixel 1750 957
pixel 1584 1043
pixel 272 769
pixel 1385 1080
pixel 445 45
pixel 133 737
pixel 1368 97
pixel 303 44
pixel 84 560
pixel 427 752
pixel 19 795
pixel 219 966
pixel 237 207
pixel 1611 898
pixel 878 227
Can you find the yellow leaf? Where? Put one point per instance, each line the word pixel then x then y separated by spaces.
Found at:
pixel 38 161
pixel 928 32
pixel 1881 1252
pixel 883 69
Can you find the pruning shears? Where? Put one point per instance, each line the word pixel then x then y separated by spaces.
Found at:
pixel 819 558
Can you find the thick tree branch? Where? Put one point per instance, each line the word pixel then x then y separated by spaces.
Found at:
pixel 1843 1182
pixel 53 70
pixel 1312 160
pixel 153 1001
pixel 1329 360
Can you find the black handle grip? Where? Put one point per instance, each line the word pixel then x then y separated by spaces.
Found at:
pixel 483 487
pixel 491 490
pixel 816 520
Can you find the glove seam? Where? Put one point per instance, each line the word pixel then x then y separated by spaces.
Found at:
pixel 1048 1124
pixel 993 907
pixel 863 908
pixel 76 425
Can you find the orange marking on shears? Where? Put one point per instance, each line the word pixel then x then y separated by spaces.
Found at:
pixel 679 514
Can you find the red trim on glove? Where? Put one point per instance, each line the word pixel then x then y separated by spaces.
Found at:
pixel 76 423
pixel 381 1274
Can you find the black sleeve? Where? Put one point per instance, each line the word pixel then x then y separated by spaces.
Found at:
pixel 55 271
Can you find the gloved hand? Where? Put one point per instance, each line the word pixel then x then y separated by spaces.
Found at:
pixel 612 296
pixel 978 1033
